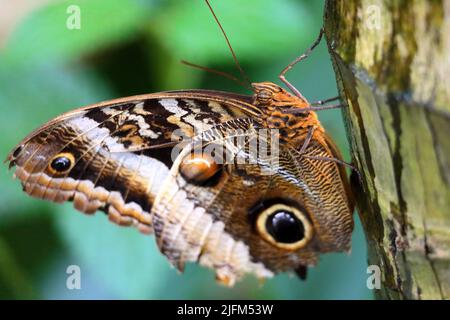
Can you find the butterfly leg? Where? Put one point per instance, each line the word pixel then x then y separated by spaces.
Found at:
pixel 327 107
pixel 338 161
pixel 312 108
pixel 307 139
pixel 297 60
pixel 322 102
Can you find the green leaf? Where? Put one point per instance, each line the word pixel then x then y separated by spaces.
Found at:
pixel 188 30
pixel 13 280
pixel 44 34
pixel 126 262
pixel 29 97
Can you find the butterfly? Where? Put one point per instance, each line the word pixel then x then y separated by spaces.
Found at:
pixel 181 165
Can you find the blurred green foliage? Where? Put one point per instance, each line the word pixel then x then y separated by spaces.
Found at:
pixel 126 47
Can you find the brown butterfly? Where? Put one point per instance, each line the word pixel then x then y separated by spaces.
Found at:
pixel 254 215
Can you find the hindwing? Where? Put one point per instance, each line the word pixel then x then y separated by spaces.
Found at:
pixel 215 222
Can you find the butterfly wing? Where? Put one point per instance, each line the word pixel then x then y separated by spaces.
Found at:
pixel 113 156
pixel 224 222
pixel 326 193
pixel 117 157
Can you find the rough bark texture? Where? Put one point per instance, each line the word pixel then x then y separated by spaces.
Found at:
pixel 392 61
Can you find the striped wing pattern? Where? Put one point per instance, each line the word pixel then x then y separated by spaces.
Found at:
pixel 120 162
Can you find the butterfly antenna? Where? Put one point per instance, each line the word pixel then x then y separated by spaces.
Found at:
pixel 220 73
pixel 247 80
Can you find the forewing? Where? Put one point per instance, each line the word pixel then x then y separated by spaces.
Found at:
pixel 120 151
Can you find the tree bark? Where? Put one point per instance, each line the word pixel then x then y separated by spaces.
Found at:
pixel 392 64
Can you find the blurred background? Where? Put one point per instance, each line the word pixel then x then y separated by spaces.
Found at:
pixel 127 47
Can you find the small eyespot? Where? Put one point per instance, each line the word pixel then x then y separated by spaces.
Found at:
pixel 17 151
pixel 284 226
pixel 62 163
pixel 199 168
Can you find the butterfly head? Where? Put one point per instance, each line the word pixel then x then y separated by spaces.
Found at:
pixel 271 97
pixel 283 111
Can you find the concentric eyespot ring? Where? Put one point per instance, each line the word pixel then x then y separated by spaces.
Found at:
pixel 61 163
pixel 199 168
pixel 284 226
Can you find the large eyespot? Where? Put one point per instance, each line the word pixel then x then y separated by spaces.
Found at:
pixel 199 168
pixel 284 226
pixel 61 163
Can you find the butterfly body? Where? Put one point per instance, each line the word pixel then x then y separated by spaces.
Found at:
pixel 247 214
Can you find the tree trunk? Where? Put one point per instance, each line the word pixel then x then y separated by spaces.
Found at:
pixel 392 63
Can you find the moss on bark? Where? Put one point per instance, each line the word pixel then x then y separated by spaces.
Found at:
pixel 392 63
